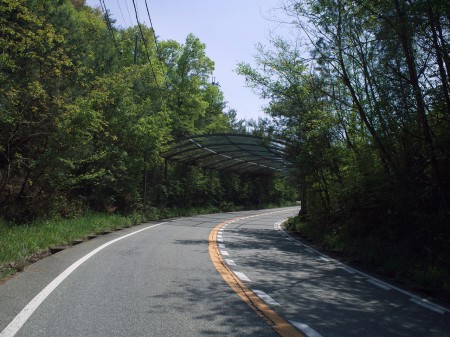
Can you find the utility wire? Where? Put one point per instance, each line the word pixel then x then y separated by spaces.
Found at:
pixel 121 13
pixel 106 17
pixel 129 15
pixel 153 30
pixel 108 25
pixel 145 47
pixel 156 41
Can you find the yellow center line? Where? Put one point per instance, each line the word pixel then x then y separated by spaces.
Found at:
pixel 279 324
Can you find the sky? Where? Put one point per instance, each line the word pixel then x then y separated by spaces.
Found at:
pixel 230 29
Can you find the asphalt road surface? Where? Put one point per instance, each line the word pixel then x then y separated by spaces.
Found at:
pixel 162 279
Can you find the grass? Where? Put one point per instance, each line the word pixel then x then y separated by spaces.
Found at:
pixel 19 243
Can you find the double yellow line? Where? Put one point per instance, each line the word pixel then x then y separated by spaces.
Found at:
pixel 279 324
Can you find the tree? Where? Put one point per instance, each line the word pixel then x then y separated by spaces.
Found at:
pixel 302 116
pixel 194 100
pixel 366 114
pixel 34 66
pixel 87 108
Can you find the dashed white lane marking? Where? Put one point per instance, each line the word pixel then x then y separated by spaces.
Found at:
pixel 221 245
pixel 379 284
pixel 26 312
pixel 266 298
pixel 306 329
pixel 431 306
pixel 219 236
pixel 230 262
pixel 219 240
pixel 224 252
pixel 242 276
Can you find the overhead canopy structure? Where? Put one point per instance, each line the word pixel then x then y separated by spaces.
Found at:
pixel 230 152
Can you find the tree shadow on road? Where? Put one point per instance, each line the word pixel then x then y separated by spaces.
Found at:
pixel 323 294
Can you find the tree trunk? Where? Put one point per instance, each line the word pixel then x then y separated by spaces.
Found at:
pixel 404 34
pixel 384 154
pixel 303 199
pixel 439 57
pixel 445 49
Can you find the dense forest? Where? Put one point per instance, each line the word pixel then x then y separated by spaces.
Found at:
pixel 360 91
pixel 86 109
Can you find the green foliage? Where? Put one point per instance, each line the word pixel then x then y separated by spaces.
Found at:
pixel 366 115
pixel 19 242
pixel 32 98
pixel 197 105
pixel 130 133
pixel 84 118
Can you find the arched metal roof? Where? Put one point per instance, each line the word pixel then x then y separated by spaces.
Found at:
pixel 232 152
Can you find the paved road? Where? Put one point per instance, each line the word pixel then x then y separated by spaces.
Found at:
pixel 157 279
pixel 320 295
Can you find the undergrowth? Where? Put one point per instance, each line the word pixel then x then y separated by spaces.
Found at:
pixel 19 242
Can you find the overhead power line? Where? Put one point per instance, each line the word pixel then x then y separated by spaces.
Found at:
pixel 153 30
pixel 156 40
pixel 121 13
pixel 145 47
pixel 109 25
pixel 128 10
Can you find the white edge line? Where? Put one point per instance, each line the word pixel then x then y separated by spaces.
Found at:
pixel 427 305
pixel 433 304
pixel 21 318
pixel 381 285
pixel 306 329
pixel 347 269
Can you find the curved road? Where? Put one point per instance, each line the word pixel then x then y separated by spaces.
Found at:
pixel 204 276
